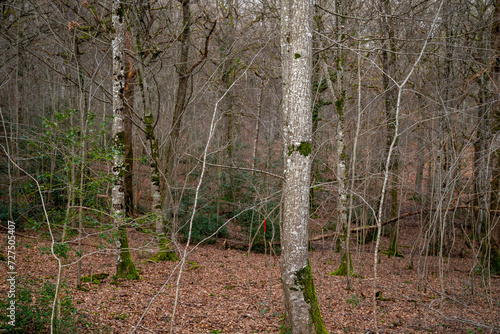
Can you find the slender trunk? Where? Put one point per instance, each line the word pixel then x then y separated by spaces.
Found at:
pixel 8 142
pixel 257 124
pixel 420 164
pixel 180 106
pixel 125 268
pixel 128 178
pixel 71 186
pixel 388 64
pixel 492 250
pixel 83 106
pixel 338 95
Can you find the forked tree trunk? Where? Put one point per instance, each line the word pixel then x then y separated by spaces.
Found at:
pixel 125 267
pixel 302 313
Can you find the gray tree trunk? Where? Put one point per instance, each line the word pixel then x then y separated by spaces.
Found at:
pixel 302 314
pixel 125 268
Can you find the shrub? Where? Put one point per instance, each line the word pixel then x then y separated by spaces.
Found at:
pixel 34 300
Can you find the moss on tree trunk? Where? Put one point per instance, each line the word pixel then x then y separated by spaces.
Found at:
pixel 392 250
pixel 165 253
pixel 342 270
pixel 125 267
pixel 304 280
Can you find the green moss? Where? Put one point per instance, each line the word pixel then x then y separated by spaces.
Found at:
pixel 165 253
pixel 148 120
pixel 342 270
pixel 297 55
pixel 343 157
pixel 304 280
pixel 125 267
pixel 194 265
pixel 393 250
pixel 339 104
pixel 86 279
pixel 120 138
pixel 95 279
pixel 304 148
pixel 120 11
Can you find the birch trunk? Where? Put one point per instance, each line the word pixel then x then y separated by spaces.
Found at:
pixel 125 268
pixel 302 314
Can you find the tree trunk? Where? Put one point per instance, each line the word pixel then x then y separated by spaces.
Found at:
pixel 338 95
pixel 128 134
pixel 180 106
pixel 125 268
pixel 257 124
pixel 302 313
pixel 492 250
pixel 388 64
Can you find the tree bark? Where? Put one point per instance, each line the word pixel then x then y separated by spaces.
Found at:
pixel 388 64
pixel 125 267
pixel 302 313
pixel 492 249
pixel 130 75
pixel 180 106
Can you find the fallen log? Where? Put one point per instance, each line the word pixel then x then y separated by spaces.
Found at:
pixel 395 219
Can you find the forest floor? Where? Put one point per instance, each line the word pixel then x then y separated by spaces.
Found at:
pixel 228 291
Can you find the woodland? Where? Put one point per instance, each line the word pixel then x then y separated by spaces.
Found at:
pixel 260 166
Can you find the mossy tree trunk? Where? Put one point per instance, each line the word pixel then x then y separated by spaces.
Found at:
pixel 302 313
pixel 161 228
pixel 338 94
pixel 125 267
pixel 165 252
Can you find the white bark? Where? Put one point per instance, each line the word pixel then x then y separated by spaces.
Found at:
pixel 118 194
pixel 296 55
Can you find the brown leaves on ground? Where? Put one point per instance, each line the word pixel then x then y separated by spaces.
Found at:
pixel 230 292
